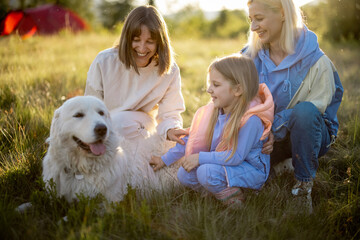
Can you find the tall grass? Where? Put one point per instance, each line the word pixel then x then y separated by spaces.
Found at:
pixel 38 74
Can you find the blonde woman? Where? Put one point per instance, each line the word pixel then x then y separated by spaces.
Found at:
pixel 139 81
pixel 223 150
pixel 305 86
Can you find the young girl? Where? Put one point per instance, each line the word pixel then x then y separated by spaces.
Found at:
pixel 223 149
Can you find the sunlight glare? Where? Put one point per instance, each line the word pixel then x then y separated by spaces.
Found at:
pixel 172 6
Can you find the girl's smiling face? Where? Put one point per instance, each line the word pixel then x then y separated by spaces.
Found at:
pixel 223 94
pixel 144 47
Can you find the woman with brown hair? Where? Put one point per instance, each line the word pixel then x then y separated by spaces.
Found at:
pixel 139 81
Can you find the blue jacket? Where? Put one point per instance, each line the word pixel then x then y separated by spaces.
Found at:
pixel 285 79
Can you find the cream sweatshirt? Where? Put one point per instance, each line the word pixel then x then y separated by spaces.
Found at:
pixel 124 90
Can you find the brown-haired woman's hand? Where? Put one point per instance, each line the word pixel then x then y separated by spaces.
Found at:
pixel 175 134
pixel 268 146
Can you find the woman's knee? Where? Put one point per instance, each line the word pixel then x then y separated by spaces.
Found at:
pixel 304 115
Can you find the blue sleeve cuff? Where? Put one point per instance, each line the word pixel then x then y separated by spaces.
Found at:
pixel 175 153
pixel 280 124
pixel 167 159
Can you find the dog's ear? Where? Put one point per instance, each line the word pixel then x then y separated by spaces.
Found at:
pixel 54 125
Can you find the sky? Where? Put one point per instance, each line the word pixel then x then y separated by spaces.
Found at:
pixel 171 6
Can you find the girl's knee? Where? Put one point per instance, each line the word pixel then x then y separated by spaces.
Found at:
pixel 186 178
pixel 202 174
pixel 211 177
pixel 182 175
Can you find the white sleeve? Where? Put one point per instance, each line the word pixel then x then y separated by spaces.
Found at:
pixel 171 105
pixel 94 81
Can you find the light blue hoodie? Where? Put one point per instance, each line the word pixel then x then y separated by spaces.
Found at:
pixel 285 79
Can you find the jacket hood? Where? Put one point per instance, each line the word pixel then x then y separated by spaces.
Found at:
pixel 263 107
pixel 306 45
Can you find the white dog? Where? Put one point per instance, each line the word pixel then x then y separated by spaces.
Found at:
pixel 86 156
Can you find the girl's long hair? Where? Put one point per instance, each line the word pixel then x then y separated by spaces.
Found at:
pixel 290 29
pixel 241 72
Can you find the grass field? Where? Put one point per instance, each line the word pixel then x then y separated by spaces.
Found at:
pixel 39 74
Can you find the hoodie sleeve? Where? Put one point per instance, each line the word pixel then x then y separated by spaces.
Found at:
pixel 171 105
pixel 249 136
pixel 280 124
pixel 175 153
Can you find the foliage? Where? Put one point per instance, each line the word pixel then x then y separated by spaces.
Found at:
pixel 337 20
pixel 152 3
pixel 343 18
pixel 191 21
pixel 4 8
pixel 113 12
pixel 229 24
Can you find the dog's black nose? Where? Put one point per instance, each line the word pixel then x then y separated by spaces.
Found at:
pixel 100 130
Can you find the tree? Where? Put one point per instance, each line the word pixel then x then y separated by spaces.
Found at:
pixel 189 21
pixel 344 20
pixel 336 20
pixel 4 8
pixel 152 3
pixel 229 24
pixel 112 12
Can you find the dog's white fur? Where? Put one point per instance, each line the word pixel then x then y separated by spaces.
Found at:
pixel 109 165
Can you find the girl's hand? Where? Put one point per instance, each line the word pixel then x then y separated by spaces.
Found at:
pixel 268 146
pixel 156 163
pixel 191 162
pixel 174 134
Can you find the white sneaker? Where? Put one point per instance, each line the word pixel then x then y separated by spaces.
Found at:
pixel 302 194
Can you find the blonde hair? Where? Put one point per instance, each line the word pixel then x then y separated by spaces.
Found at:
pixel 150 17
pixel 290 29
pixel 241 72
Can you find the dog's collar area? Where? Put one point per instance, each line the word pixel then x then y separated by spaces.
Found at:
pixel 77 174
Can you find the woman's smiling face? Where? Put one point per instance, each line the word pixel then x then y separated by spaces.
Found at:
pixel 144 47
pixel 265 22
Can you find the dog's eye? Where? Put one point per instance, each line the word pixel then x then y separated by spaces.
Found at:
pixel 78 115
pixel 101 113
